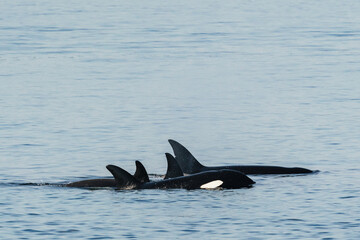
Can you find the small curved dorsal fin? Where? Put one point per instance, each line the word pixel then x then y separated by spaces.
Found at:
pixel 140 174
pixel 173 169
pixel 124 180
pixel 185 159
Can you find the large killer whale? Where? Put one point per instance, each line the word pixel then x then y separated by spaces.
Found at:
pixel 224 178
pixel 190 165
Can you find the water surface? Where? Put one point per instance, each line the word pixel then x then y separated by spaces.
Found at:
pixel 86 84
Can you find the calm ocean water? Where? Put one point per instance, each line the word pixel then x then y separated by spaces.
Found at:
pixel 90 83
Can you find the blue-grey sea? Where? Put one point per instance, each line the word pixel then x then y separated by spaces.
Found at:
pixel 84 84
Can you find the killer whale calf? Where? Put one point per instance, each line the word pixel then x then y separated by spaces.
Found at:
pixel 224 178
pixel 190 165
pixel 140 175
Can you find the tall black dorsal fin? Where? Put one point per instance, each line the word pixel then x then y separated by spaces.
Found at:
pixel 185 159
pixel 140 174
pixel 173 168
pixel 124 180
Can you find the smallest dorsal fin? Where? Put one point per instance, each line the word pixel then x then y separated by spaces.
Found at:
pixel 124 180
pixel 140 174
pixel 173 169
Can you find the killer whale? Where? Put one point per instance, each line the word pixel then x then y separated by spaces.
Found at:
pixel 190 165
pixel 224 178
pixel 140 175
pixel 93 183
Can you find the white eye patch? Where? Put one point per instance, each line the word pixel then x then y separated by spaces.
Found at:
pixel 212 184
